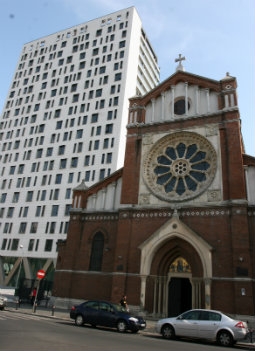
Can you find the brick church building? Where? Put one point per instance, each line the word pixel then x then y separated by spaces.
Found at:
pixel 175 227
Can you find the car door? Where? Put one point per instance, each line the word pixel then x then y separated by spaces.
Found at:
pixel 91 312
pixel 187 324
pixel 208 324
pixel 107 315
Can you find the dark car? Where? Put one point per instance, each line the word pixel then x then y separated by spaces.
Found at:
pixel 106 314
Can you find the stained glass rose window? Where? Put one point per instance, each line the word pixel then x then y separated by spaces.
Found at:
pixel 180 166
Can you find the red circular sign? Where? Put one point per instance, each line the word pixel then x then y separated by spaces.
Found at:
pixel 40 274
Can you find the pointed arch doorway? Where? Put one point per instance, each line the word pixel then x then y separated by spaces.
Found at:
pixel 166 288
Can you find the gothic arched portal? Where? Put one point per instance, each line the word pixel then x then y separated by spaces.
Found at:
pixel 160 278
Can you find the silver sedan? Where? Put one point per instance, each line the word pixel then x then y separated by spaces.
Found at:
pixel 204 324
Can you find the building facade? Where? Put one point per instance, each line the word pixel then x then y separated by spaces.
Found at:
pixel 174 228
pixel 64 120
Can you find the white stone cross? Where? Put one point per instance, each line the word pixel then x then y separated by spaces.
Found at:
pixel 180 59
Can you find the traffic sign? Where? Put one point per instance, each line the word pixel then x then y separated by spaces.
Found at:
pixel 40 274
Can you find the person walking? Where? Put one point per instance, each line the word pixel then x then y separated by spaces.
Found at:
pixel 123 302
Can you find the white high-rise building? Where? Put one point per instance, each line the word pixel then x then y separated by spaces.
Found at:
pixel 64 121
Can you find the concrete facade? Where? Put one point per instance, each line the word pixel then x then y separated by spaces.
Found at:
pixel 64 121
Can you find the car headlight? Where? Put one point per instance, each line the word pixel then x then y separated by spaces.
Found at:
pixel 133 319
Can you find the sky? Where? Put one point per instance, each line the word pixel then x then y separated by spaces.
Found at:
pixel 215 36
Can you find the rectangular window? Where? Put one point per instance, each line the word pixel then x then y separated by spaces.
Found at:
pixel 74 162
pixel 34 226
pixel 12 169
pixel 15 197
pixel 63 163
pixel 70 177
pixel 79 134
pixel 38 211
pixel 3 197
pixel 61 150
pixel 87 176
pixel 117 77
pixel 108 128
pixel 22 227
pixel 68 193
pixel 52 227
pixel 58 179
pixel 48 245
pixel 43 195
pixel 15 244
pixel 49 151
pixel 31 244
pixel 54 210
pixel 94 118
pixel 10 212
pixel 29 196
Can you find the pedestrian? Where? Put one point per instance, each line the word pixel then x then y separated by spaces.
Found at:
pixel 33 296
pixel 123 302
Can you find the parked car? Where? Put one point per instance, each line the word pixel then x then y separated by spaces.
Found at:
pixel 107 314
pixel 203 324
pixel 2 302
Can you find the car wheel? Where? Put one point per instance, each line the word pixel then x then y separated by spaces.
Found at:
pixel 79 320
pixel 167 332
pixel 121 326
pixel 224 338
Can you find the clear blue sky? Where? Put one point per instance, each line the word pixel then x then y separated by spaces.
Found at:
pixel 215 36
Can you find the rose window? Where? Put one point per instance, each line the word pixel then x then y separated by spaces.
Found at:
pixel 180 166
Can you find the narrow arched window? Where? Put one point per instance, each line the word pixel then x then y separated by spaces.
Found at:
pixel 97 252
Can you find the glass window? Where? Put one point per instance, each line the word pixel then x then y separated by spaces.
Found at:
pixel 96 252
pixel 63 163
pixel 61 150
pixel 79 133
pixel 29 196
pixel 15 244
pixel 68 193
pixel 70 177
pixel 15 197
pixel 10 212
pixel 108 128
pixel 54 210
pixel 48 245
pixel 94 118
pixel 34 226
pixel 58 179
pixel 22 227
pixel 31 244
pixel 74 162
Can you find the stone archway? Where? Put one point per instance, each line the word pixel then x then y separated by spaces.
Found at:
pixel 175 239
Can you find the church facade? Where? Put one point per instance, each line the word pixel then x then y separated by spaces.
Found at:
pixel 174 228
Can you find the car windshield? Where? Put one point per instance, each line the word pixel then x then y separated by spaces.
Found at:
pixel 119 308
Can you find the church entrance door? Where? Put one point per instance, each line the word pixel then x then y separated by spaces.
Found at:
pixel 179 296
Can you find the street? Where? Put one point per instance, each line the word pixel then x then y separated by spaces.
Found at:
pixel 25 332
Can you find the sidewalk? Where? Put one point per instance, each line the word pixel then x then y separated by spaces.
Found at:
pixel 63 314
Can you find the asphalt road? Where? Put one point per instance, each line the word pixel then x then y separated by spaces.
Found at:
pixel 31 332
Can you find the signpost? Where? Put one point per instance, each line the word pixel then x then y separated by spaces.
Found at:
pixel 40 275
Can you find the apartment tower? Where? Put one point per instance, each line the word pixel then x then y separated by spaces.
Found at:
pixel 63 123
